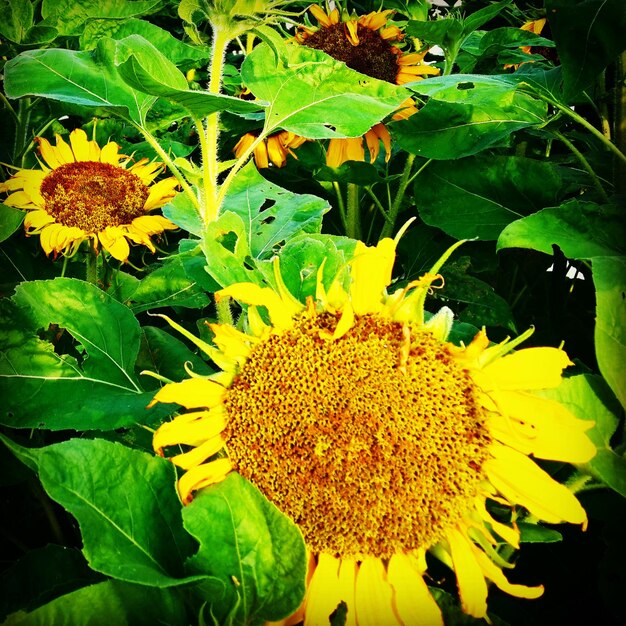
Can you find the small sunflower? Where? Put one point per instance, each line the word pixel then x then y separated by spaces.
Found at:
pixel 365 44
pixel 275 148
pixel 379 438
pixel 84 192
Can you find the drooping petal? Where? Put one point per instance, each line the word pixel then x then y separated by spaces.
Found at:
pixel 199 454
pixel 203 476
pixel 373 595
pixel 161 193
pixel 189 428
pixel 412 599
pixel 114 242
pixel 192 393
pixel 522 481
pixel 50 155
pixel 323 592
pixel 469 576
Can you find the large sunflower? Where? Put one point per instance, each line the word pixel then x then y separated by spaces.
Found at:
pixel 365 44
pixel 84 192
pixel 379 438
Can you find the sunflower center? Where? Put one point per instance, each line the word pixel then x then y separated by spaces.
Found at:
pixel 372 57
pixel 371 443
pixel 92 195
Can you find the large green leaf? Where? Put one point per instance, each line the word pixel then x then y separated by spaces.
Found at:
pixel 588 398
pixel 254 549
pixel 609 277
pixel 87 385
pixel 581 229
pixel 84 78
pixel 479 196
pixel 126 505
pixel 312 95
pixel 107 603
pixel 466 114
pixel 149 71
pixel 271 214
pixel 69 17
pixel 10 220
pixel 589 34
pixel 17 19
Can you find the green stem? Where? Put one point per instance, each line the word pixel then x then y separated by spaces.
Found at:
pixel 584 163
pixel 224 312
pixel 21 128
pixel 583 122
pixel 397 203
pixel 212 200
pixel 353 215
pixel 165 157
pixel 91 266
pixel 377 203
pixel 341 205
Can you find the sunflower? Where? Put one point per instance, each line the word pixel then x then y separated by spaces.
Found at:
pixel 379 438
pixel 273 148
pixel 365 44
pixel 534 26
pixel 84 192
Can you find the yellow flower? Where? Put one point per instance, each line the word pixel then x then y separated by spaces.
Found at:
pixel 379 438
pixel 365 44
pixel 273 148
pixel 84 192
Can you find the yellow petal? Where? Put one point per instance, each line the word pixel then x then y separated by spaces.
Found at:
pixel 529 369
pixel 323 592
pixel 109 154
pixel 48 237
pixel 161 193
pixel 346 322
pixel 347 588
pixel 276 151
pixel 114 242
pixel 509 534
pixel 202 476
pixel 192 393
pixel 469 576
pixel 373 144
pixel 35 220
pixel 373 595
pixel 232 341
pixel 523 482
pixel 152 224
pixel 243 144
pixel 82 148
pixel 49 154
pixel 336 153
pixel 19 200
pixel 413 601
pixel 261 157
pixel 281 312
pixel 350 29
pixel 320 15
pixel 541 427
pixel 199 454
pixel 494 573
pixel 370 271
pixel 189 428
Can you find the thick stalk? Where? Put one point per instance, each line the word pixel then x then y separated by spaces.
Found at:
pixel 21 128
pixel 91 265
pixel 221 39
pixel 397 203
pixel 353 212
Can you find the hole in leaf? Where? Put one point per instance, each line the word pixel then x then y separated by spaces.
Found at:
pixel 229 241
pixel 465 86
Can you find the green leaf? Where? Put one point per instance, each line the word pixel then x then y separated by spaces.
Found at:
pixel 168 356
pixel 150 72
pixel 126 505
pixel 168 285
pixel 89 385
pixel 315 96
pixel 479 196
pixel 581 229
pixel 10 220
pixel 42 575
pixel 445 32
pixel 109 602
pixel 254 549
pixel 589 35
pixel 533 533
pixel 482 16
pixel 588 398
pixel 84 78
pixel 466 114
pixel 179 53
pixel 70 16
pixel 20 19
pixel 184 214
pixel 271 214
pixel 609 277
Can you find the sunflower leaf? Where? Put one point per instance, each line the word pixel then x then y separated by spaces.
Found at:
pixel 479 196
pixel 83 376
pixel 10 220
pixel 126 504
pixel 312 89
pixel 271 214
pixel 110 602
pixel 254 549
pixel 466 114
